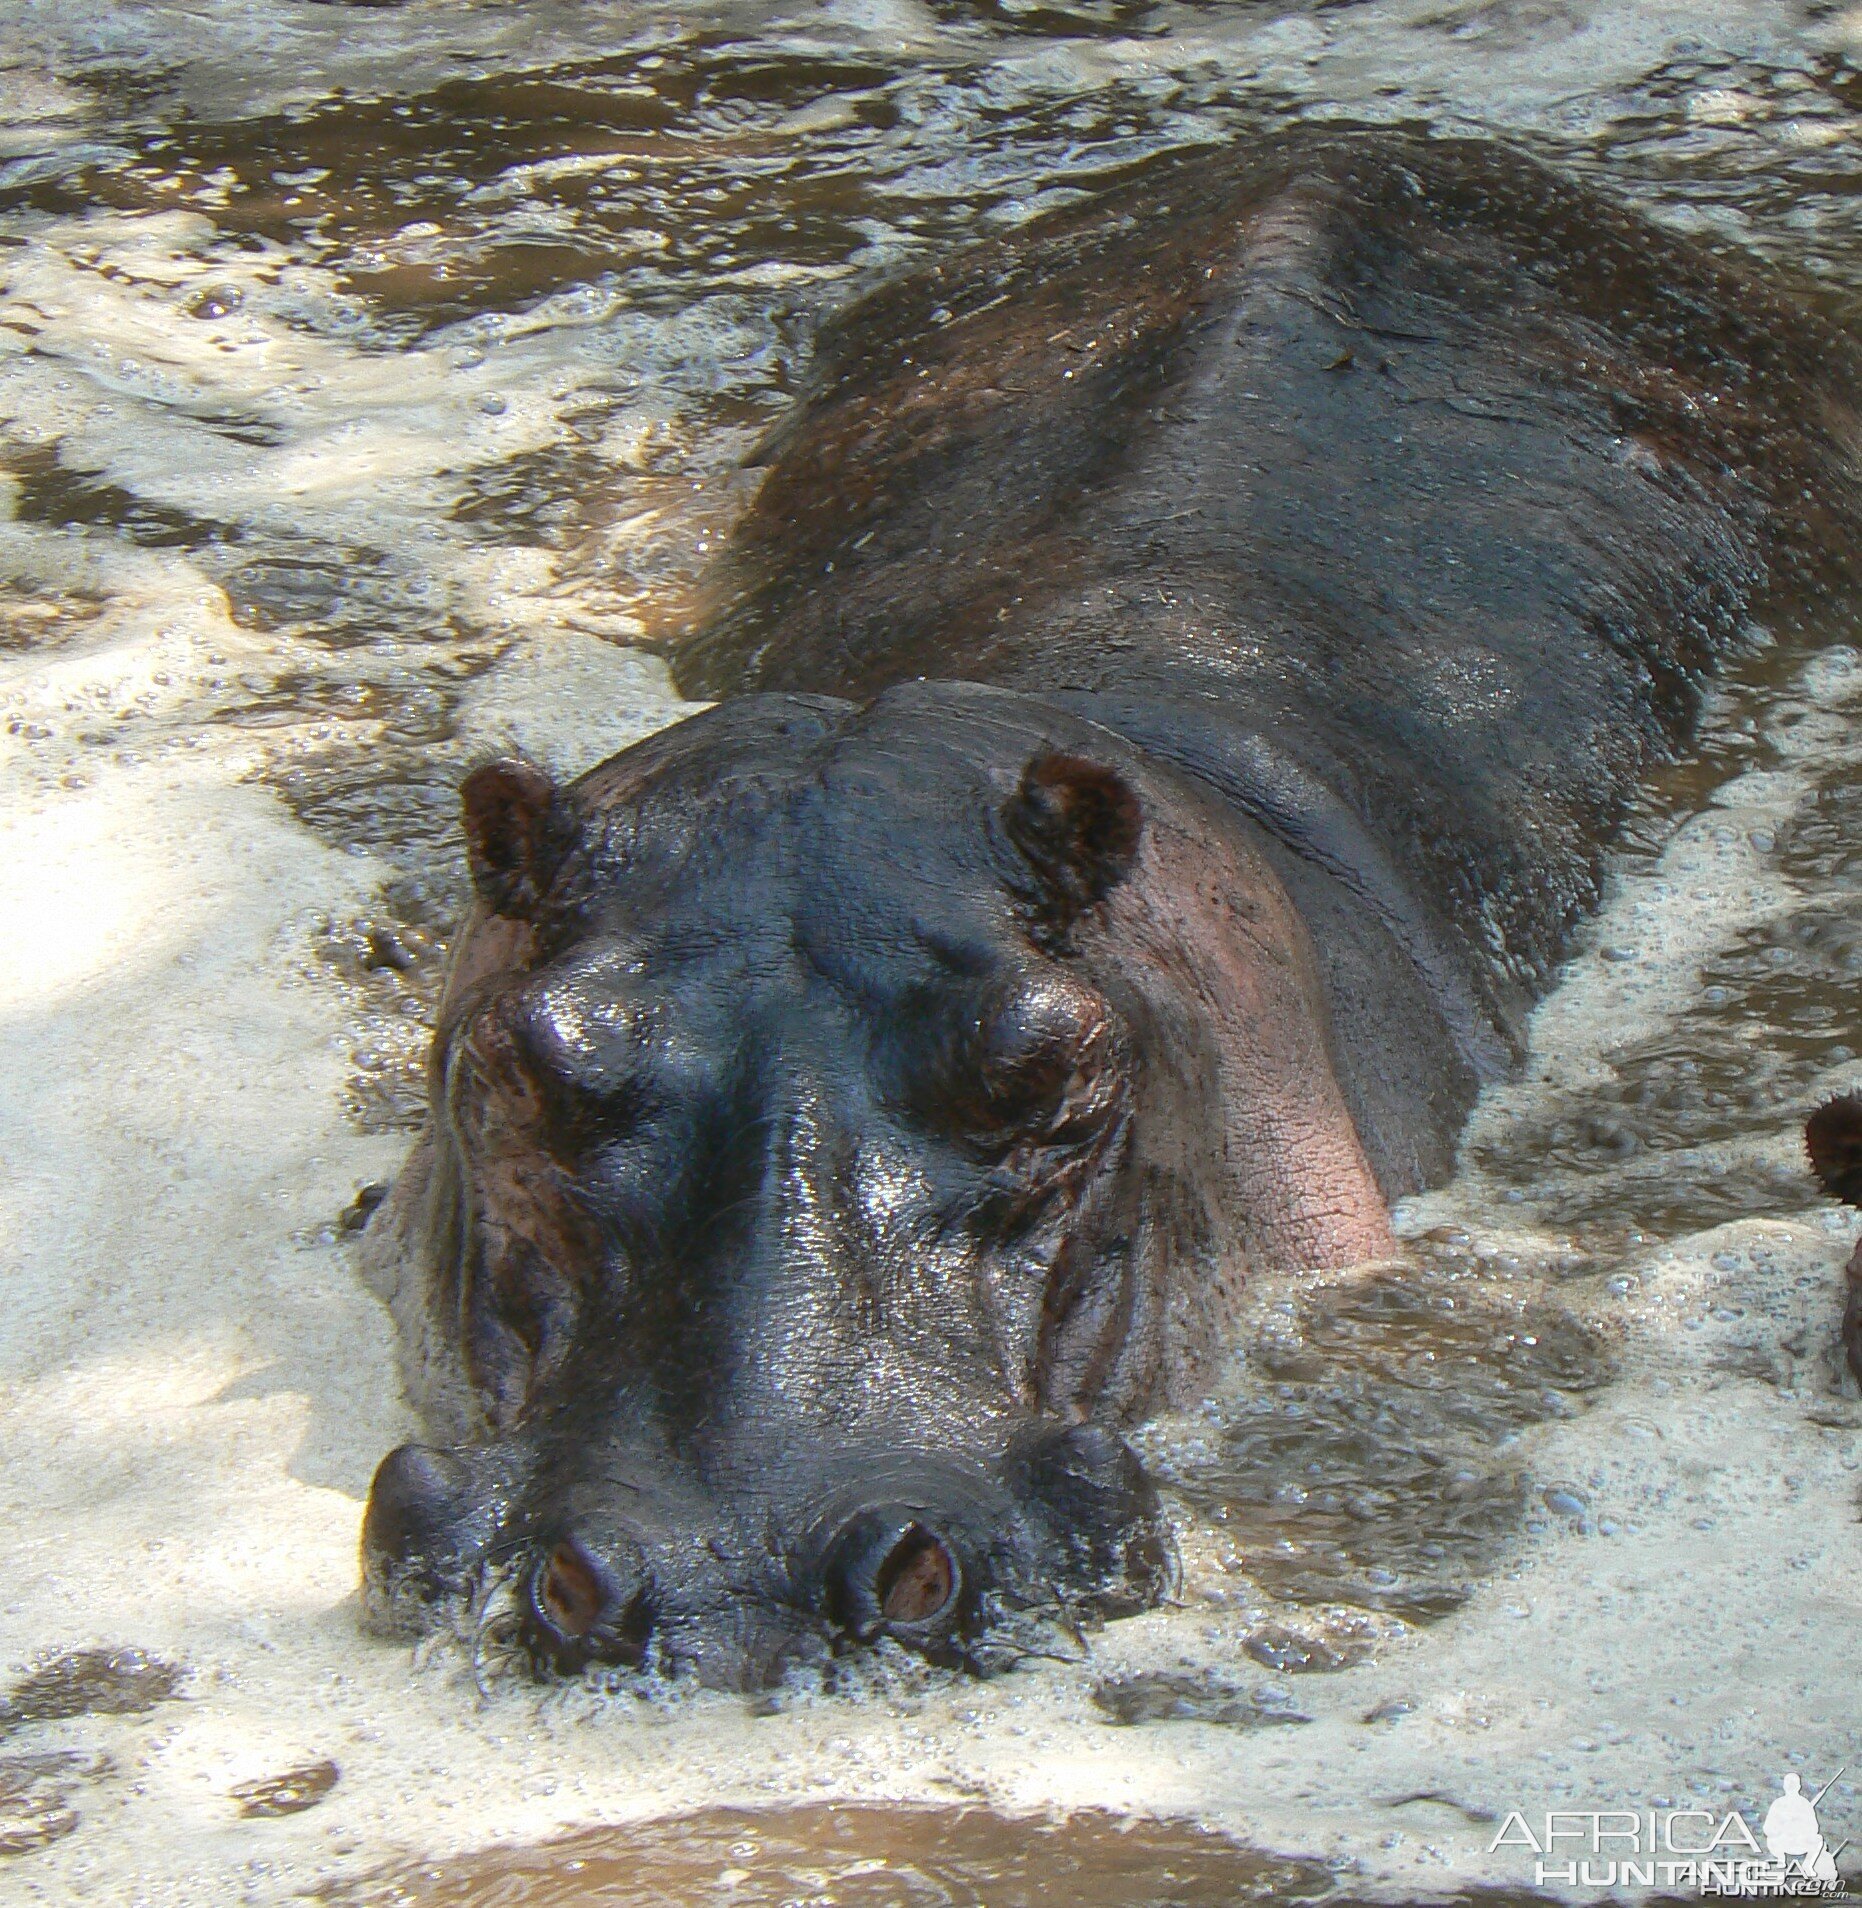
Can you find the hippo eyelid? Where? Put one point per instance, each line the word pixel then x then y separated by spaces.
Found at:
pixel 605 1074
pixel 1054 1091
pixel 563 1030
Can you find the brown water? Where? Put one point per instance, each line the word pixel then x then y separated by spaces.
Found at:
pixel 855 1856
pixel 374 384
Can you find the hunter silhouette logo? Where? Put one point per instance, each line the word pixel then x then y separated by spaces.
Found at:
pixel 1792 1835
pixel 1717 1854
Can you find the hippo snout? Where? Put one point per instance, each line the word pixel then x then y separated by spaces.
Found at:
pixel 1066 1522
pixel 928 1552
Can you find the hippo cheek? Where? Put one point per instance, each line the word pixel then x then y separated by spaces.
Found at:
pixel 432 1516
pixel 1110 1544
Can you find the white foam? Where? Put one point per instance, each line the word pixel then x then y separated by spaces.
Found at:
pixel 567 701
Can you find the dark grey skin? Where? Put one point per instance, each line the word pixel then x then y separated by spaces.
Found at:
pixel 1833 1139
pixel 1186 668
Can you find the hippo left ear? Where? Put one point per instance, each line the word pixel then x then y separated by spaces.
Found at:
pixel 519 828
pixel 1078 824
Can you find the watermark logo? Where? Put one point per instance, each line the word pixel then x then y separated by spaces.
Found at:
pixel 1684 1848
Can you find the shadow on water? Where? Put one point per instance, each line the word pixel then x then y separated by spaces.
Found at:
pixel 1696 1122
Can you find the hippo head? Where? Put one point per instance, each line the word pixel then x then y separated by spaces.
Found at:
pixel 842 1119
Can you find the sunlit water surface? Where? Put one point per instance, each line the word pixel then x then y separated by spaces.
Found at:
pixel 374 387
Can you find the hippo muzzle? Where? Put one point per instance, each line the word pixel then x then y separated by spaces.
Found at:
pixel 945 1561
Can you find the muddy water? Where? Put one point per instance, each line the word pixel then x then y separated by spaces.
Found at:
pixel 871 1857
pixel 374 384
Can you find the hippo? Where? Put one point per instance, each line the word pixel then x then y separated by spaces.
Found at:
pixel 1833 1139
pixel 1175 690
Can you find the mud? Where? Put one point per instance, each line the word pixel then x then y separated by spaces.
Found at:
pixel 868 1857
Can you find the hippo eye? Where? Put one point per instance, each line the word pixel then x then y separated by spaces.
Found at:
pixel 583 1115
pixel 1040 1059
pixel 582 1066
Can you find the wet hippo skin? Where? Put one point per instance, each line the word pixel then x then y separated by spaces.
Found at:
pixel 1181 675
pixel 1833 1139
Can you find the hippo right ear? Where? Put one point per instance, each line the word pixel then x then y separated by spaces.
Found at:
pixel 1078 825
pixel 519 828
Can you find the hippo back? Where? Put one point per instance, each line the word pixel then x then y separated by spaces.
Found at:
pixel 1405 491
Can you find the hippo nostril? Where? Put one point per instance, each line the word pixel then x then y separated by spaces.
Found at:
pixel 890 1573
pixel 569 1593
pixel 588 1609
pixel 917 1578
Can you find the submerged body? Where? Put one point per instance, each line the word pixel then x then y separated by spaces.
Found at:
pixel 1185 670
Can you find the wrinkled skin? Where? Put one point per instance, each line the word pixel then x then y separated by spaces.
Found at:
pixel 1198 648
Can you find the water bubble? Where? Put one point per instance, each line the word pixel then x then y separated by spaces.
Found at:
pixel 215 301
